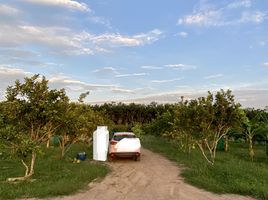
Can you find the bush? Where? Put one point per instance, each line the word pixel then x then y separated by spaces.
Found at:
pixel 160 125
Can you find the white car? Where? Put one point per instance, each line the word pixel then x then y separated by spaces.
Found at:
pixel 124 144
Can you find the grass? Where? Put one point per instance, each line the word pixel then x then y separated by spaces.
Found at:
pixel 233 172
pixel 53 176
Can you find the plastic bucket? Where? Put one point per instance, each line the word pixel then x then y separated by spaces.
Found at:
pixel 81 156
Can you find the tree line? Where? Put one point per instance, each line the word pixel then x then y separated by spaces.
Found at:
pixel 32 114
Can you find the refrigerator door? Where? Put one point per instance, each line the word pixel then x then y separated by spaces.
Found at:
pixel 100 143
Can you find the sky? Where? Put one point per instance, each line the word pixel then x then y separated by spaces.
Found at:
pixel 138 51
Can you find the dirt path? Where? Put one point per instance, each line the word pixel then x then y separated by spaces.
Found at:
pixel 153 178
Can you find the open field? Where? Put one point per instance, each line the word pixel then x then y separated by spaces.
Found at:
pixel 232 172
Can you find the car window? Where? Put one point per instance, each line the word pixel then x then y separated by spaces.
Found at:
pixel 120 137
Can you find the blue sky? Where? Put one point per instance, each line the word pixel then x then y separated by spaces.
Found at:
pixel 141 51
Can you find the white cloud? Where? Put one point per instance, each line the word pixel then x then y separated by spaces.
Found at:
pixel 253 17
pixel 8 10
pixel 102 50
pixel 213 76
pixel 17 53
pixel 175 65
pixel 131 75
pixel 12 72
pixel 105 72
pixel 248 98
pixel 123 91
pixel 75 86
pixel 24 57
pixel 64 81
pixel 224 16
pixel 180 66
pixel 240 3
pixel 8 76
pixel 204 18
pixel 166 81
pixel 116 39
pixel 182 34
pixel 100 20
pixel 149 37
pixel 263 43
pixel 265 64
pixel 75 5
pixel 150 67
pixel 58 40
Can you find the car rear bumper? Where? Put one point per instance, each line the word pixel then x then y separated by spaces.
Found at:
pixel 124 154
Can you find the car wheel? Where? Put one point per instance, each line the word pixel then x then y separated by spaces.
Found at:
pixel 110 158
pixel 137 158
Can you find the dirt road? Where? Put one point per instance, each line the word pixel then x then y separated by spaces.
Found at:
pixel 153 178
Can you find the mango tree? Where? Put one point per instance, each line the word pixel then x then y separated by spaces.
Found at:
pixel 29 107
pixel 256 125
pixel 78 124
pixel 204 121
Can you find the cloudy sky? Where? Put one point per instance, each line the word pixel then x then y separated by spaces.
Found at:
pixel 138 50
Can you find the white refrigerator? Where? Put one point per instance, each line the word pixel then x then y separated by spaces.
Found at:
pixel 100 143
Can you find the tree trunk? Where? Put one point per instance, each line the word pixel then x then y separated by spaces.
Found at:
pixel 213 156
pixel 32 163
pixel 189 148
pixel 48 142
pixel 62 146
pixel 204 154
pixel 250 149
pixel 28 173
pixel 26 168
pixel 226 143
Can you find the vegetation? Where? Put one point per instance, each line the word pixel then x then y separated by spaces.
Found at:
pixel 78 124
pixel 33 114
pixel 53 176
pixel 256 127
pixel 232 173
pixel 123 114
pixel 30 108
pixel 204 121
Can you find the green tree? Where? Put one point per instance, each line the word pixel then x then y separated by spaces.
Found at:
pixel 256 125
pixel 30 107
pixel 204 121
pixel 78 124
pixel 162 125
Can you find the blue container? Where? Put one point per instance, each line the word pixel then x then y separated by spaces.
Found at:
pixel 55 140
pixel 220 145
pixel 81 156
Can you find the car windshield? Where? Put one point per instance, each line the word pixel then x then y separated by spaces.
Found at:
pixel 120 137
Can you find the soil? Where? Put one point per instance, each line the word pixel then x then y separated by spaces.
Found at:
pixel 152 178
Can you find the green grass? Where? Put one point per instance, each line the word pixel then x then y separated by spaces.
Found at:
pixel 53 176
pixel 233 172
